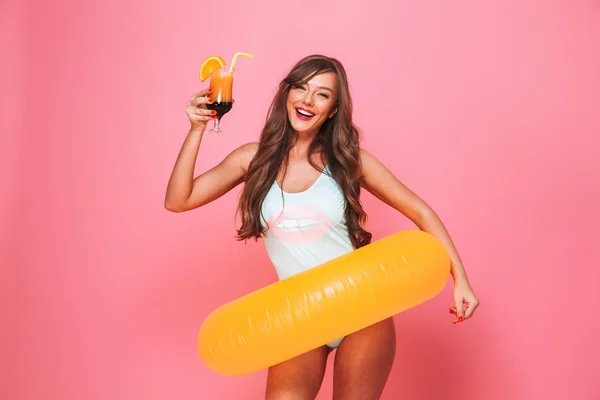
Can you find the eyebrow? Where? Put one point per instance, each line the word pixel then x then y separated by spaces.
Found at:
pixel 325 87
pixel 318 87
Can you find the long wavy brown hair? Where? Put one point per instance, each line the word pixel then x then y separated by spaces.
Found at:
pixel 337 142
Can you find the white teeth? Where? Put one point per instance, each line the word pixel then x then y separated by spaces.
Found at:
pixel 306 114
pixel 289 224
pixel 297 225
pixel 305 222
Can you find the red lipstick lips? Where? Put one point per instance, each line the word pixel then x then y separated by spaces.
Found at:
pixel 304 114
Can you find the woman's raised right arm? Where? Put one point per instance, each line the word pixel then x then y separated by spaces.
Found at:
pixel 184 192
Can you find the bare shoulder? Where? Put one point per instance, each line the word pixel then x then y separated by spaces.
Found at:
pixel 370 165
pixel 374 175
pixel 364 154
pixel 245 153
pixel 249 148
pixel 383 184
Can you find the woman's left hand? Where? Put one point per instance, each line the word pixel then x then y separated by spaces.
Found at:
pixel 465 301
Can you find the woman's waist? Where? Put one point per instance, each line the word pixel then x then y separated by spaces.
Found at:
pixel 289 259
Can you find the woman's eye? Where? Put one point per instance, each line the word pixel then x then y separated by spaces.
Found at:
pixel 299 87
pixel 323 95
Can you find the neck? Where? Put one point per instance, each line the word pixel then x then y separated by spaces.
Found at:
pixel 302 144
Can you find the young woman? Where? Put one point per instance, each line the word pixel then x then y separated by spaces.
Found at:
pixel 302 183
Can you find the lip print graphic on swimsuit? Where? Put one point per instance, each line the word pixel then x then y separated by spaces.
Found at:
pixel 299 224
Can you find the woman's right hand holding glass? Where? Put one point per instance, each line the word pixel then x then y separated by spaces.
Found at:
pixel 197 111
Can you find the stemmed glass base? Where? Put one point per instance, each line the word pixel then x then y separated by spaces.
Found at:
pixel 216 129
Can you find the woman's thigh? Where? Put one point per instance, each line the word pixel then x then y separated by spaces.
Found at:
pixel 363 362
pixel 298 378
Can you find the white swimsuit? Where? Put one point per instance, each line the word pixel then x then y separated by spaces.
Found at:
pixel 305 229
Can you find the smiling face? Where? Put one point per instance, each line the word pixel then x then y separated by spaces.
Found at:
pixel 310 104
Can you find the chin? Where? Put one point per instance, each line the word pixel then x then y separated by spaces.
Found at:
pixel 303 128
pixel 300 128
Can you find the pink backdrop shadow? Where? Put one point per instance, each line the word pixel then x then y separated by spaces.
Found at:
pixel 488 110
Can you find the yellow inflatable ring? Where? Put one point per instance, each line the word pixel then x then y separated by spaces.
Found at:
pixel 325 303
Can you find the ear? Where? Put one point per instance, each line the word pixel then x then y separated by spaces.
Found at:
pixel 335 110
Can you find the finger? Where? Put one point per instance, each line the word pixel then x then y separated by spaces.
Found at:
pixel 452 310
pixel 202 111
pixel 202 93
pixel 200 101
pixel 201 114
pixel 193 111
pixel 459 312
pixel 205 118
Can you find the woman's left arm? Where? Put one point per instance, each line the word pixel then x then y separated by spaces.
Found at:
pixel 380 182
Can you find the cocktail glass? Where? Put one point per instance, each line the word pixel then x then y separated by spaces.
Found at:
pixel 221 83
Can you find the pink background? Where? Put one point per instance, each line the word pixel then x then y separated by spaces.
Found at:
pixel 488 110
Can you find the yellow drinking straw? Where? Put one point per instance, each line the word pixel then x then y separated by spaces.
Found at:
pixel 235 56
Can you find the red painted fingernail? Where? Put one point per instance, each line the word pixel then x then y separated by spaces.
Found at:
pixel 211 101
pixel 460 319
pixel 209 89
pixel 213 112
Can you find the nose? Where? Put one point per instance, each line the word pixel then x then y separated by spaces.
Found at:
pixel 308 98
